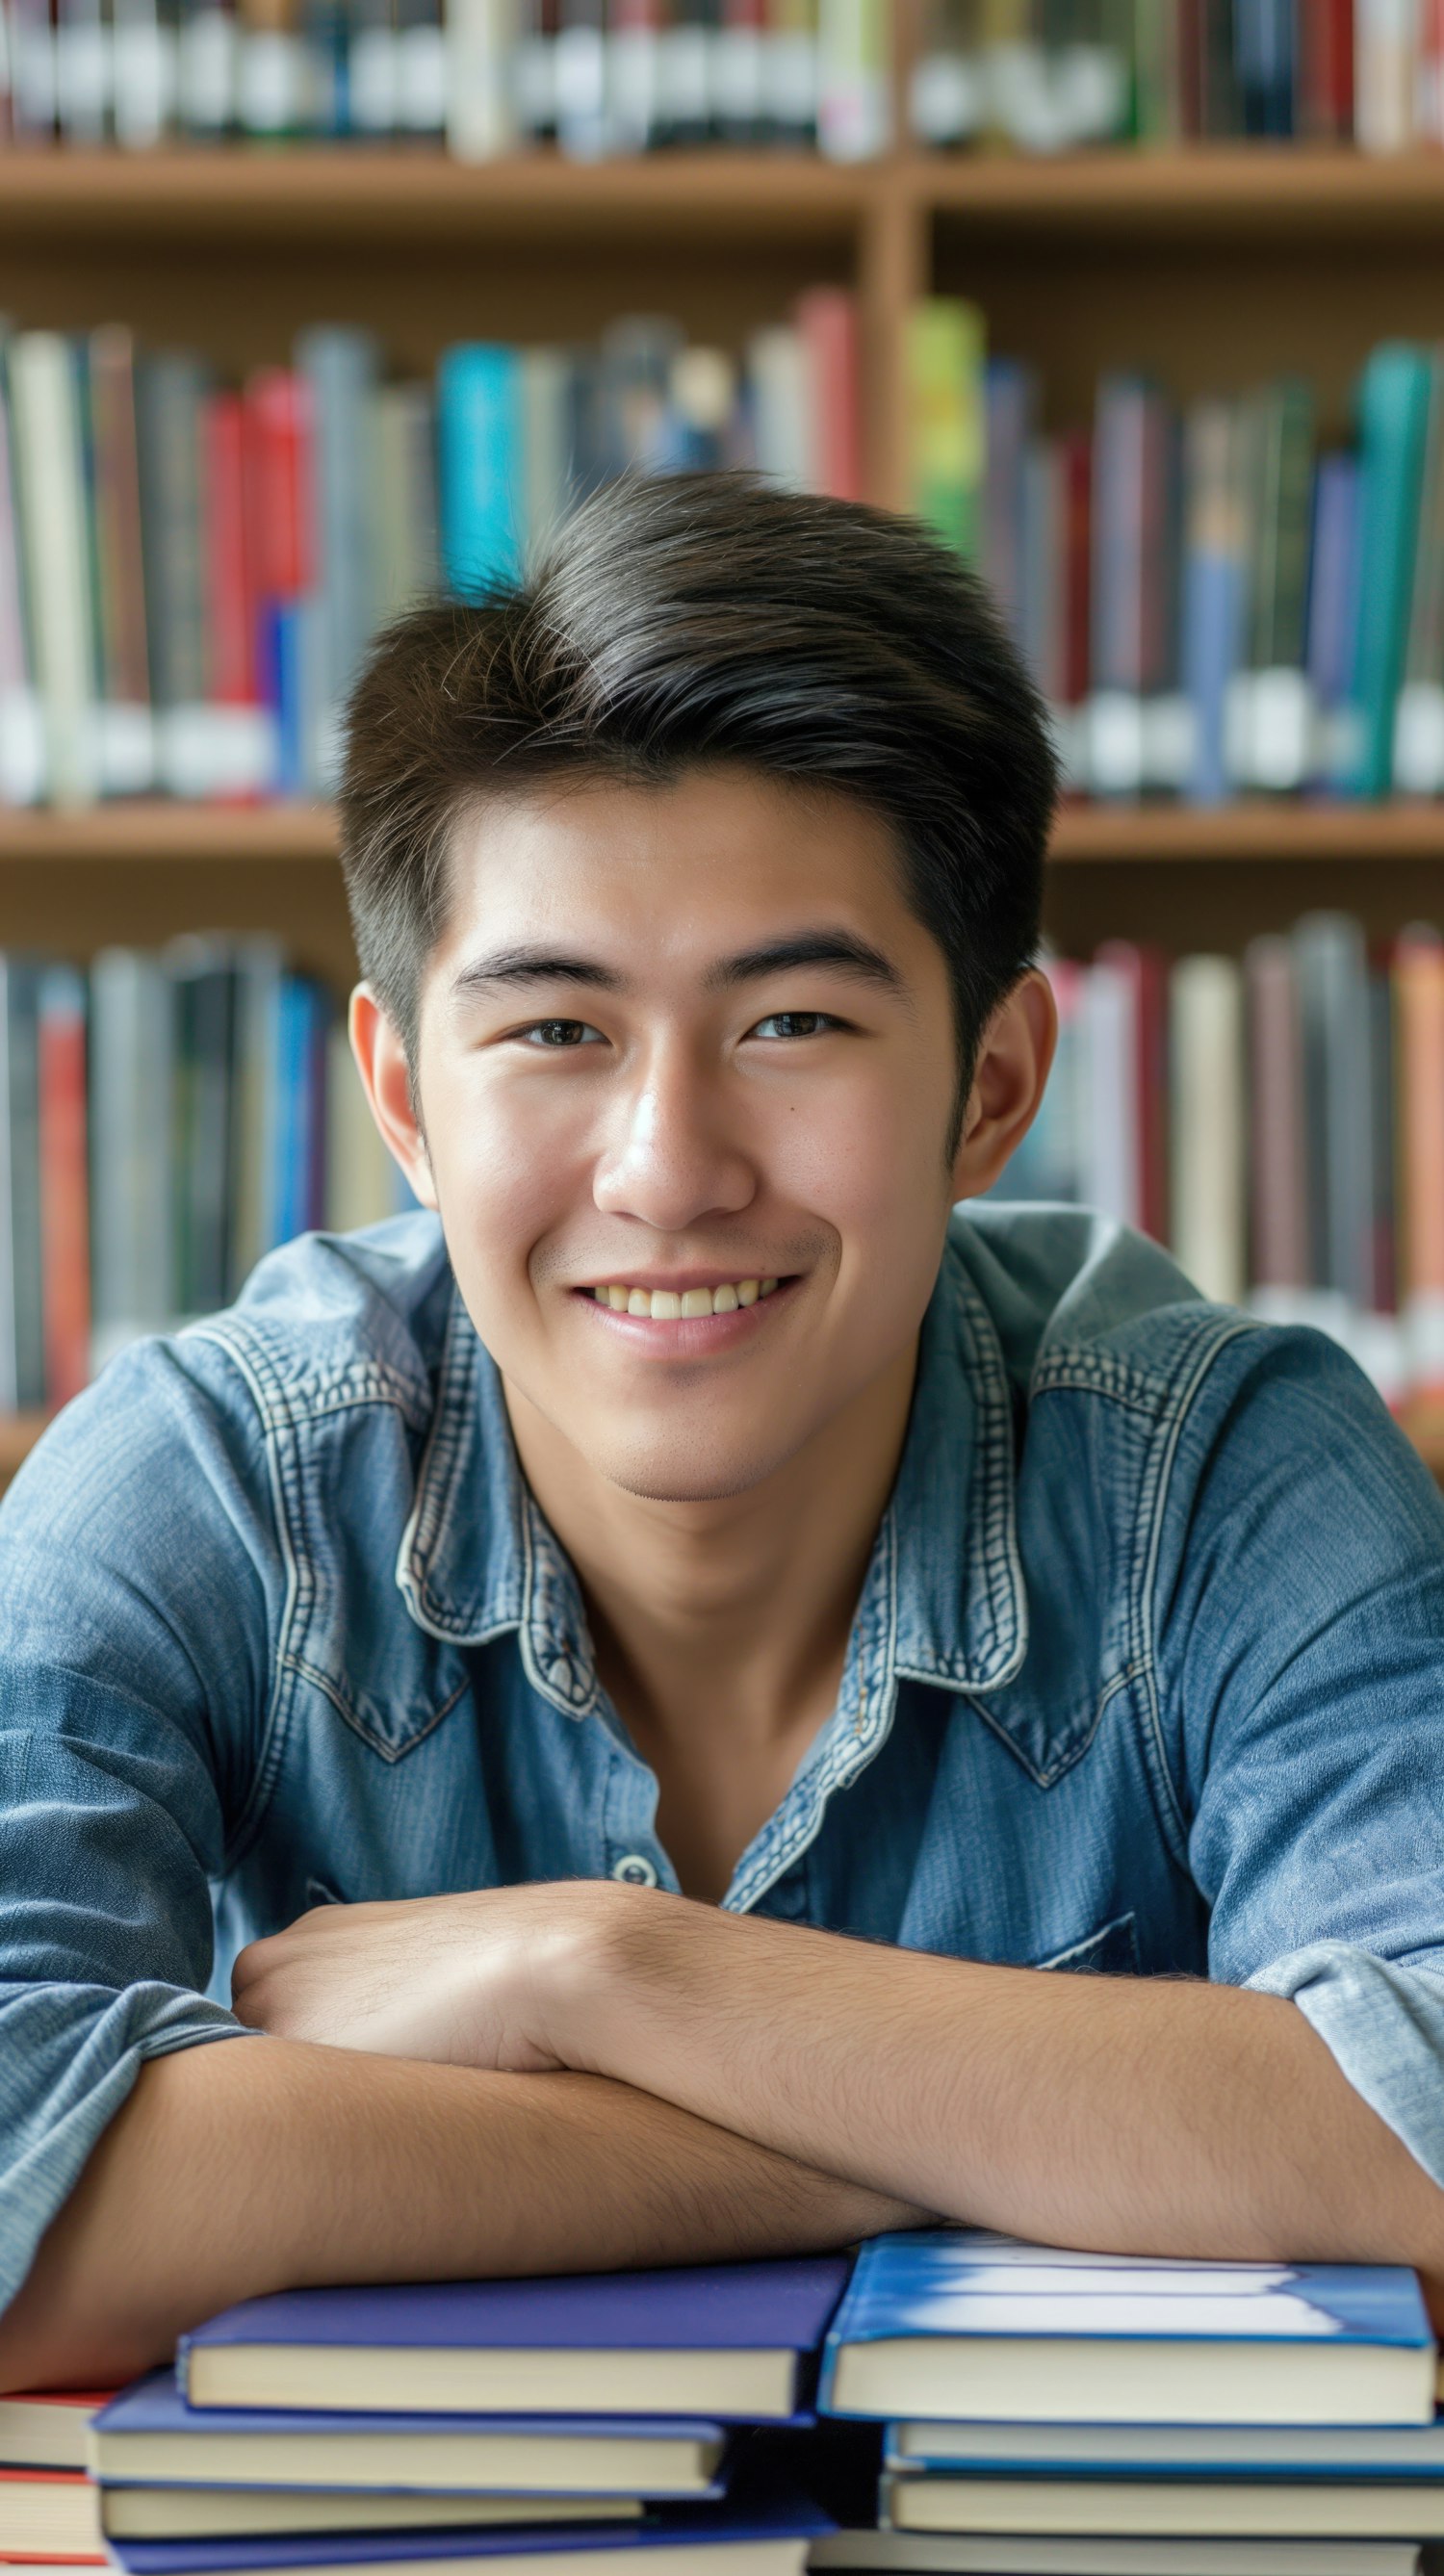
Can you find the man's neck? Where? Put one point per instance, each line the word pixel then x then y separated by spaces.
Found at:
pixel 728 1614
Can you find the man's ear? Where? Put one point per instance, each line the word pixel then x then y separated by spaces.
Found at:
pixel 381 1063
pixel 1008 1082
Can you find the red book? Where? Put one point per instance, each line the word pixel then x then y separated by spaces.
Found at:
pixel 827 320
pixel 1326 70
pixel 1146 970
pixel 50 2518
pixel 231 602
pixel 280 506
pixel 64 1186
pixel 1429 81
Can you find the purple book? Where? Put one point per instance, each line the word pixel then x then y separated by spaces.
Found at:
pixel 148 2436
pixel 781 2531
pixel 731 2341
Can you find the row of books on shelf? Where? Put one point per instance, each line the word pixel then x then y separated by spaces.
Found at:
pixel 1213 597
pixel 191 570
pixel 165 1119
pixel 601 77
pixel 1024 2404
pixel 1278 1121
pixel 1053 75
pixel 480 77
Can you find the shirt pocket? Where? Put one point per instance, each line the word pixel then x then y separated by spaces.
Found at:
pixel 1111 1951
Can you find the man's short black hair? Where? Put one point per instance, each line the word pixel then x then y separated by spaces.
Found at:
pixel 680 622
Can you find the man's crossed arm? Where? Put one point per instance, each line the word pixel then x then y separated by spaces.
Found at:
pixel 615 2076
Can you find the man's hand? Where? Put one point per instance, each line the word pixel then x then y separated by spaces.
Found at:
pixel 484 1979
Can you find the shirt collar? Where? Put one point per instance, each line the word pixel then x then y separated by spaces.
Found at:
pixel 477 1558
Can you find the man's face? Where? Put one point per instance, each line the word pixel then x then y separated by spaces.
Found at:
pixel 676 1040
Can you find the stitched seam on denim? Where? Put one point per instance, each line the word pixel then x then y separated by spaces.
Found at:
pixel 786 1847
pixel 1142 1609
pixel 389 1751
pixel 1057 1770
pixel 1153 1408
pixel 248 1364
pixel 996 1524
pixel 304 1399
pixel 1102 1372
pixel 542 1624
pixel 439 1462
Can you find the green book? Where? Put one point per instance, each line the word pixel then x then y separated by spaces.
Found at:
pixel 1393 417
pixel 945 410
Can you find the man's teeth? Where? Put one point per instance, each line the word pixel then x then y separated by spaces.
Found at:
pixel 668 1305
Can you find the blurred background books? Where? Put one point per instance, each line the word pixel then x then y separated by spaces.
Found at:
pixel 1138 304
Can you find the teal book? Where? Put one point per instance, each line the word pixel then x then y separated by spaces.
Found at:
pixel 479 459
pixel 1393 419
pixel 953 2323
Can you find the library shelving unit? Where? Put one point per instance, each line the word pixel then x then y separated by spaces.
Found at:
pixel 1214 265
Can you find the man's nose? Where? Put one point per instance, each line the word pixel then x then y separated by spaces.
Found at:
pixel 672 1155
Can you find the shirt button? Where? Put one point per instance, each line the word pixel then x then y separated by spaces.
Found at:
pixel 635 1870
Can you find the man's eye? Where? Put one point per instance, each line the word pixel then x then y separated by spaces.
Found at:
pixel 559 1033
pixel 795 1024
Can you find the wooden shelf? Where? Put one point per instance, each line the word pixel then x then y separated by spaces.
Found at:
pixel 362 192
pixel 158 832
pixel 1298 191
pixel 365 193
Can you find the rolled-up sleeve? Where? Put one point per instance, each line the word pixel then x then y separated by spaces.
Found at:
pixel 137 1617
pixel 1298 1631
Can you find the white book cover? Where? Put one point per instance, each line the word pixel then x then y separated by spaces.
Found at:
pixel 45 422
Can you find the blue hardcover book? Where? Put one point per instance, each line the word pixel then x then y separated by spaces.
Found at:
pixel 726 2340
pixel 1354 2453
pixel 959 2323
pixel 479 460
pixel 149 2435
pixel 770 2539
pixel 1393 417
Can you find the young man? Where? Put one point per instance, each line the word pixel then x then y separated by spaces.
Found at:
pixel 647 1666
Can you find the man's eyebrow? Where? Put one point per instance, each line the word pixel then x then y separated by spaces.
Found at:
pixel 512 967
pixel 839 949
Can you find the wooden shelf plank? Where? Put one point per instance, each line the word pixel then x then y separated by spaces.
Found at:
pixel 156 829
pixel 161 832
pixel 370 193
pixel 1251 830
pixel 268 194
pixel 1317 193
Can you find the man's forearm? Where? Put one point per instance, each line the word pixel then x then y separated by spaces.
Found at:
pixel 252 2165
pixel 1127 2114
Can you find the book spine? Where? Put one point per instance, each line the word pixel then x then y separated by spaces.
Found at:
pixel 1383 75
pixel 854 112
pixel 828 329
pixel 945 381
pixel 64 1208
pixel 481 109
pixel 1393 418
pixel 1209 1129
pixel 50 474
pixel 22 725
pixel 126 752
pixel 23 1238
pixel 478 406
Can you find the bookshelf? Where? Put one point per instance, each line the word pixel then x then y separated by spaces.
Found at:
pixel 1215 264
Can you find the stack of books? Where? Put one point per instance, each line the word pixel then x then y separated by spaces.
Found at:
pixel 49 2509
pixel 1048 2410
pixel 547 2426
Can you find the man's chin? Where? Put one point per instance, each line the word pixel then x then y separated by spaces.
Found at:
pixel 662 1475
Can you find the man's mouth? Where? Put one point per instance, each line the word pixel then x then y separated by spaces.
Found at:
pixel 673 1305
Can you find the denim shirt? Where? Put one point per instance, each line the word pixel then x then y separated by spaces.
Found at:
pixel 1145 1677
